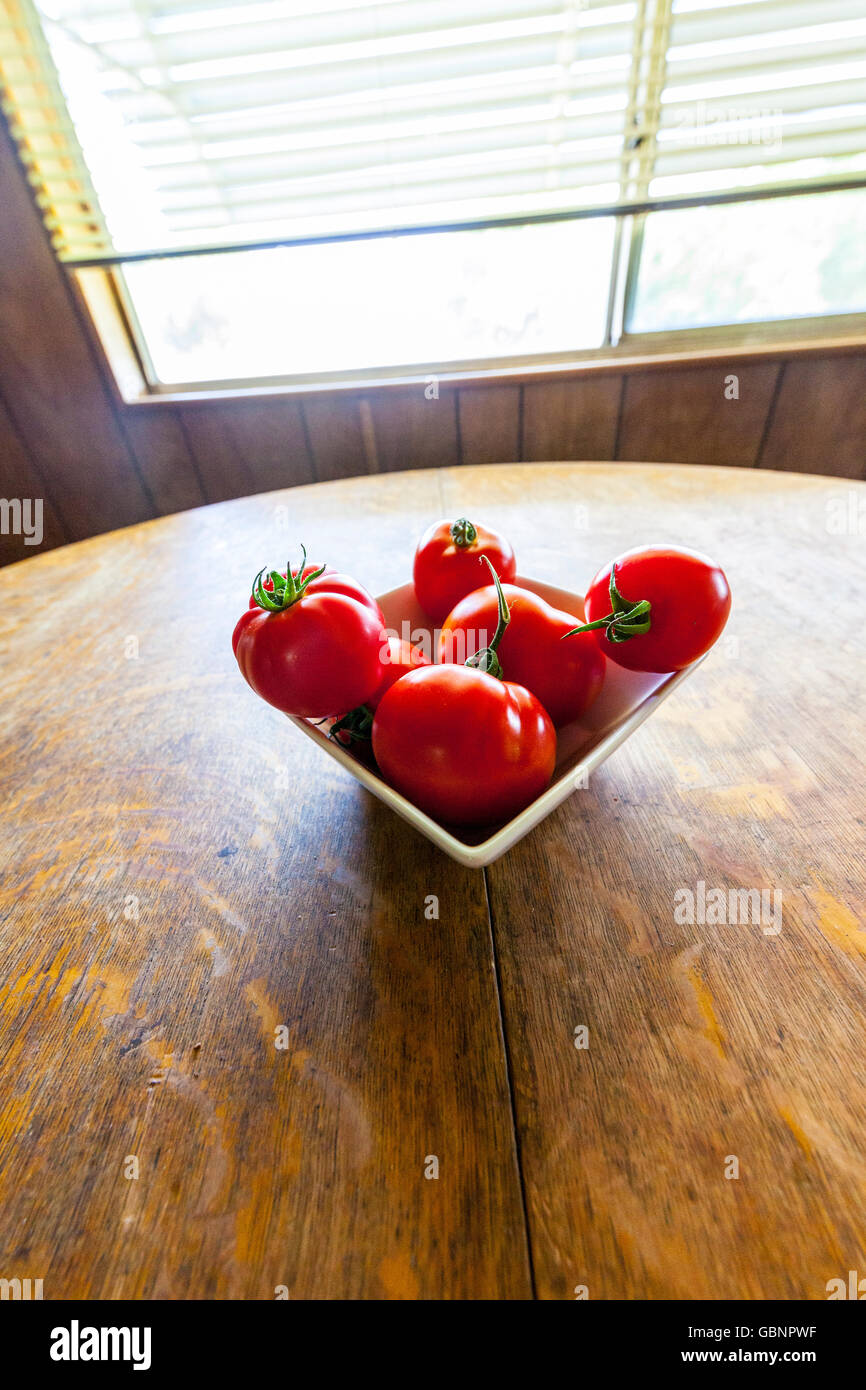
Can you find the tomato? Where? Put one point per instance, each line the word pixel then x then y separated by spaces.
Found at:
pixel 311 652
pixel 565 676
pixel 462 745
pixel 399 659
pixel 657 609
pixel 448 564
pixel 331 581
pixel 402 658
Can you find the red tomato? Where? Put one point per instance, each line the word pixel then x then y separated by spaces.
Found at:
pixel 665 608
pixel 331 581
pixel 309 652
pixel 565 676
pixel 355 727
pixel 402 658
pixel 448 564
pixel 463 746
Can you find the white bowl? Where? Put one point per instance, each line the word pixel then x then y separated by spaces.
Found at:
pixel 627 698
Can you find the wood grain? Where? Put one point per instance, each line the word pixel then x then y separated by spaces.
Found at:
pixel 415 427
pixel 575 418
pixel 819 420
pixel 247 447
pixel 705 1042
pixel 184 873
pixel 489 419
pixel 687 417
pixel 340 432
pixel 158 441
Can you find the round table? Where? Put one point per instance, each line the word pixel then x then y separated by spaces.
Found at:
pixel 242 1054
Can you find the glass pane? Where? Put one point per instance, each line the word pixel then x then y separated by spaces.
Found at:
pixel 744 262
pixel 401 301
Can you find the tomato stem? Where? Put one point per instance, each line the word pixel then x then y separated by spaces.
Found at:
pixel 287 588
pixel 487 659
pixel 624 621
pixel 463 533
pixel 358 724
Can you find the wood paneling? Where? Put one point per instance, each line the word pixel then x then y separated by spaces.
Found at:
pixel 51 383
pixel 573 419
pixel 247 447
pixel 160 445
pixel 414 431
pixel 684 416
pixel 20 480
pixel 340 434
pixel 819 419
pixel 489 419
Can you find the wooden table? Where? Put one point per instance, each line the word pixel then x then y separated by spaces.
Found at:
pixel 183 874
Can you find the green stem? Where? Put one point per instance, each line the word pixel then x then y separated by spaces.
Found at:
pixel 358 724
pixel 486 659
pixel 287 588
pixel 624 621
pixel 463 533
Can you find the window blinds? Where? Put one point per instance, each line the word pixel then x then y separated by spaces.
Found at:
pixel 178 125
pixel 762 92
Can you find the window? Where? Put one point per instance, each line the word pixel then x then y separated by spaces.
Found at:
pixel 751 262
pixel 295 190
pixel 396 302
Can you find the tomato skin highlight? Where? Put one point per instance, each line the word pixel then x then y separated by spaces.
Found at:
pixel 331 582
pixel 463 746
pixel 403 657
pixel 444 572
pixel 314 659
pixel 565 676
pixel 690 602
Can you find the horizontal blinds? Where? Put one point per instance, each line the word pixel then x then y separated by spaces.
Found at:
pixel 188 124
pixel 237 123
pixel 761 92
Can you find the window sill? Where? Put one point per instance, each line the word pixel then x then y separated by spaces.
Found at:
pixel 722 345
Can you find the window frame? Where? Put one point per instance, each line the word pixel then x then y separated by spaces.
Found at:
pixel 112 314
pixel 111 310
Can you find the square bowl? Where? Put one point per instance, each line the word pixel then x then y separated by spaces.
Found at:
pixel 627 698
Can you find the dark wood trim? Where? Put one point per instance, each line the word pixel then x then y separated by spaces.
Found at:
pixel 54 391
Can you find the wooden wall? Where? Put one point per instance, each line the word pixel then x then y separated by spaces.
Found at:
pixel 65 435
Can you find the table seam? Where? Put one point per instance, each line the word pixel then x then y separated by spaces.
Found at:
pixel 509 1078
